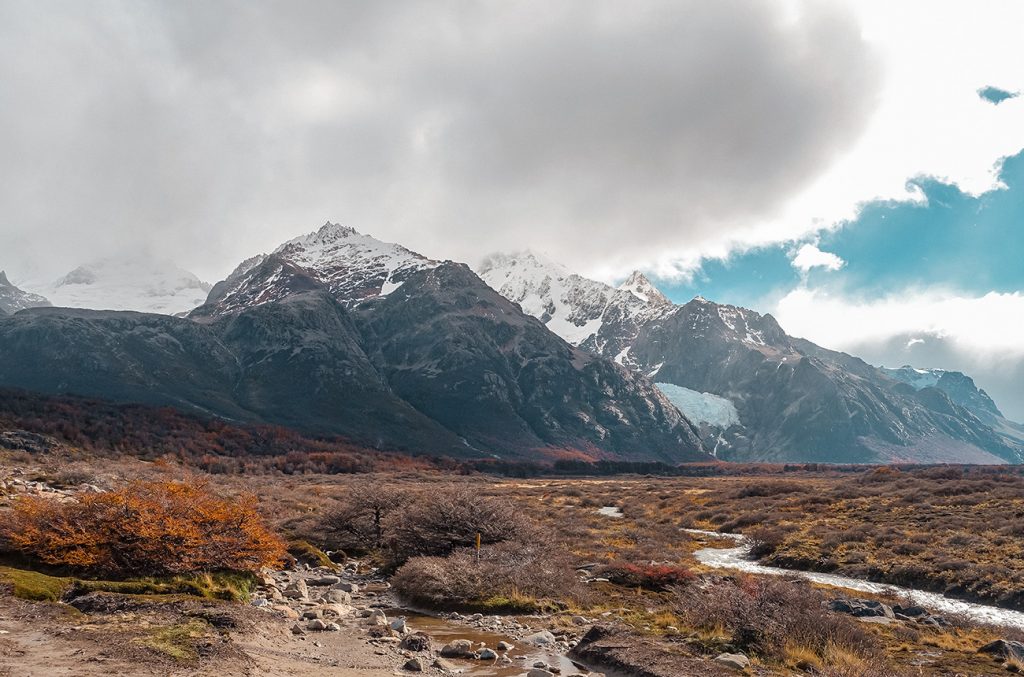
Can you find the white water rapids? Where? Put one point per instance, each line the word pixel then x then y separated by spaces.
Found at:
pixel 739 558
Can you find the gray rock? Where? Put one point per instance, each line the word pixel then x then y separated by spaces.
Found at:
pixel 377 617
pixel 457 648
pixel 347 587
pixel 333 627
pixel 486 654
pixel 447 666
pixel 298 629
pixel 399 626
pixel 338 597
pixel 297 590
pixel 579 620
pixel 736 661
pixel 316 624
pixel 505 646
pixel 542 638
pixel 325 580
pixel 539 672
pixel 414 665
pixel 1004 648
pixel 310 614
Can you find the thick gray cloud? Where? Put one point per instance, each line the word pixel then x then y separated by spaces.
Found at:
pixel 604 133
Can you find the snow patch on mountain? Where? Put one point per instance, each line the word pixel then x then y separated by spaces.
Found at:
pixel 142 284
pixel 918 378
pixel 584 312
pixel 701 407
pixel 354 266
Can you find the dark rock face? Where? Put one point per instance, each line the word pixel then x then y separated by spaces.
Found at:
pixel 467 357
pixel 443 365
pixel 800 402
pixel 13 299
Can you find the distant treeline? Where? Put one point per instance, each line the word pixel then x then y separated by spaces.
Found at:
pixel 217 446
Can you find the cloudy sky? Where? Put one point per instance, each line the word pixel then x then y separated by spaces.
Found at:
pixel 838 164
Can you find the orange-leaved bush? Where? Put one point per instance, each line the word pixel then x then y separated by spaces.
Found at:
pixel 145 528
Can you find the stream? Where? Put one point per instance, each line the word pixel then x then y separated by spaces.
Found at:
pixel 739 558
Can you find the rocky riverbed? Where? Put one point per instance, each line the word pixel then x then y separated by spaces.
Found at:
pixel 316 602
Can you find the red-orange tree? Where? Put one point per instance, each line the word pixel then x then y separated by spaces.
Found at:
pixel 146 528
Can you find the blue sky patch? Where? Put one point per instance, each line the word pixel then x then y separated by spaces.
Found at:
pixel 952 240
pixel 995 95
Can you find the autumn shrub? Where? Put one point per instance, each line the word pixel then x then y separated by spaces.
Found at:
pixel 439 520
pixel 647 576
pixel 507 577
pixel 763 615
pixel 145 528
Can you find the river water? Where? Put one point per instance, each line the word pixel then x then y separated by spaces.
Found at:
pixel 739 558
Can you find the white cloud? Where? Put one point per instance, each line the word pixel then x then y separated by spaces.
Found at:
pixel 983 336
pixel 989 326
pixel 929 119
pixel 809 256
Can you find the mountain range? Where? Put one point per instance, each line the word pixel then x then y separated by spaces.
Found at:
pixel 336 333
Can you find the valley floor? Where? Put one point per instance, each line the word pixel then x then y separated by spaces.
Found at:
pixel 884 524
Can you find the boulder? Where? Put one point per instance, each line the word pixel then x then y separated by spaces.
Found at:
pixel 1004 649
pixel 457 648
pixel 338 597
pixel 286 611
pixel 297 590
pixel 377 617
pixel 486 654
pixel 446 666
pixel 417 641
pixel 542 638
pixel 736 661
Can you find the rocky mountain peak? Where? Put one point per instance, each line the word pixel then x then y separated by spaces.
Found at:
pixel 641 287
pixel 13 299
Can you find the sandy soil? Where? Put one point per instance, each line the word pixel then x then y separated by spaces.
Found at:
pixel 51 640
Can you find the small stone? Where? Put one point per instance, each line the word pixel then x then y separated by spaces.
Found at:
pixel 332 627
pixel 298 630
pixel 347 587
pixel 325 580
pixel 416 641
pixel 487 654
pixel 317 625
pixel 414 665
pixel 297 590
pixel 579 620
pixel 539 672
pixel 399 626
pixel 286 611
pixel 505 646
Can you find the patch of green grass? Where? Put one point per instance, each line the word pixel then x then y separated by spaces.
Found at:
pixel 309 554
pixel 36 586
pixel 176 641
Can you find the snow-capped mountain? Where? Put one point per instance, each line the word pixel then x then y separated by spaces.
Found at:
pixel 148 285
pixel 444 343
pixel 586 313
pixel 13 299
pixel 354 267
pixel 961 389
pixel 755 392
